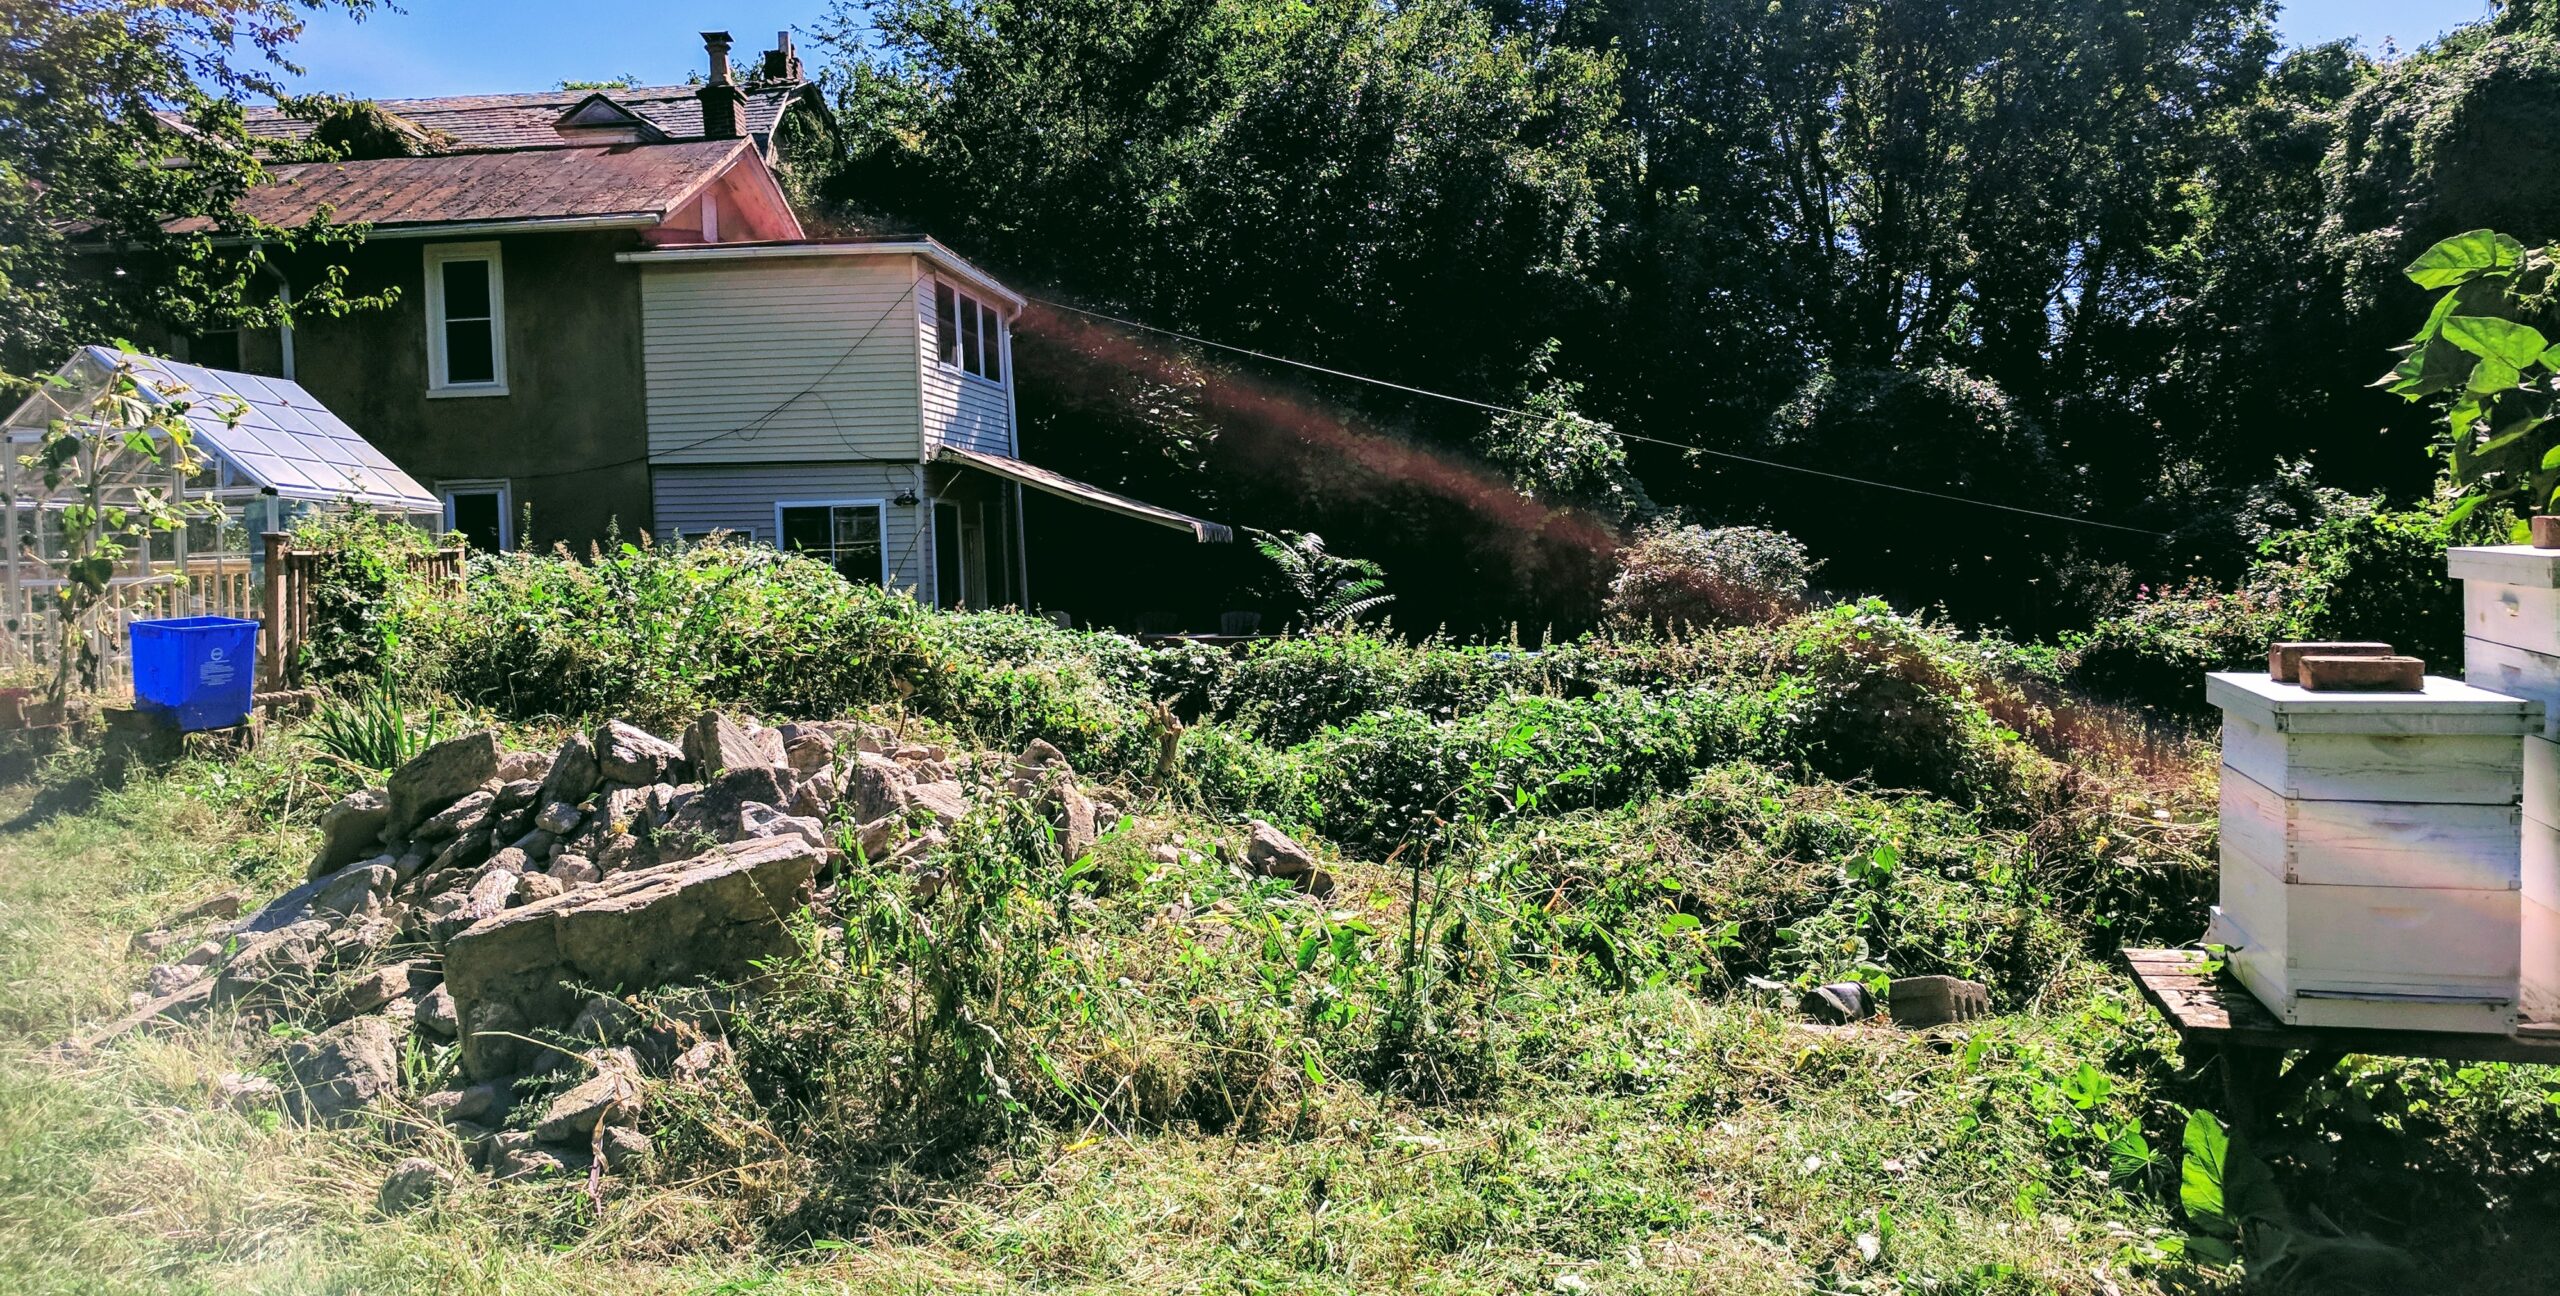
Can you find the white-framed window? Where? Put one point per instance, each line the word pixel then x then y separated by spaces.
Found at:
pixel 848 535
pixel 968 333
pixel 466 320
pixel 481 511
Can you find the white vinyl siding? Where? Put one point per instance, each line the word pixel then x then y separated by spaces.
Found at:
pixel 961 408
pixel 695 501
pixel 781 361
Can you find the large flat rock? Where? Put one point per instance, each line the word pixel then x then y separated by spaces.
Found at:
pixel 711 916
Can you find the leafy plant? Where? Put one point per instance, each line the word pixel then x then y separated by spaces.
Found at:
pixel 372 729
pixel 2480 350
pixel 1332 590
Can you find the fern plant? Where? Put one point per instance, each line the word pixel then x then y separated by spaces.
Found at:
pixel 1336 590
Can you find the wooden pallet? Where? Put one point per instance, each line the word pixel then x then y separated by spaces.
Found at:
pixel 2219 1020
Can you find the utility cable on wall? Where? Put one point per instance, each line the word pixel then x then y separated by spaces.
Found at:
pixel 1631 436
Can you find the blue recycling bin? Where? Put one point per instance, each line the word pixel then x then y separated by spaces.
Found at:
pixel 202 671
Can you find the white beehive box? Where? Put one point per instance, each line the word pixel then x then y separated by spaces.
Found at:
pixel 2372 857
pixel 2511 643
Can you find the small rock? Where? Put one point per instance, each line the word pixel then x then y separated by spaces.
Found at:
pixel 1273 854
pixel 170 978
pixel 815 795
pixel 440 776
pixel 696 1065
pixel 205 954
pixel 517 794
pixel 509 860
pixel 222 905
pixel 624 1149
pixel 535 887
pixel 879 786
pixel 807 751
pixel 627 754
pixel 714 744
pixel 514 1156
pixel 435 1013
pixel 473 1104
pixel 370 989
pixel 245 1093
pixel 945 800
pixel 756 820
pixel 576 1112
pixel 275 964
pixel 471 813
pixel 524 766
pixel 574 775
pixel 559 818
pixel 574 870
pixel 349 831
pixel 465 851
pixel 358 889
pixel 1165 853
pixel 338 1071
pixel 413 1184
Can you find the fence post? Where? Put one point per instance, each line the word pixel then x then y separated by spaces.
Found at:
pixel 273 650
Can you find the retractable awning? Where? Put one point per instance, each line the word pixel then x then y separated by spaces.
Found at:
pixel 1064 487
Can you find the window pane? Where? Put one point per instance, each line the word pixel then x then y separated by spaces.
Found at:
pixel 969 335
pixel 946 324
pixel 468 357
pixel 805 529
pixel 466 290
pixel 992 327
pixel 475 515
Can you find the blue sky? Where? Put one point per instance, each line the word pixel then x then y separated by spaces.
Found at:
pixel 443 47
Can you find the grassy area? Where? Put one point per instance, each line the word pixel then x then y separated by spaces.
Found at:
pixel 1538 1038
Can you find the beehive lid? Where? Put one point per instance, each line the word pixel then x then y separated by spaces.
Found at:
pixel 2445 707
pixel 2505 565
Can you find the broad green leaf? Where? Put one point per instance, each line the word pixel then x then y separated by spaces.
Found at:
pixel 2491 375
pixel 2202 1170
pixel 2465 257
pixel 2487 336
pixel 2428 368
pixel 2454 516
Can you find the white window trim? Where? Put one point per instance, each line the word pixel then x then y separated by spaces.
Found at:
pixel 877 506
pixel 958 365
pixel 436 255
pixel 498 486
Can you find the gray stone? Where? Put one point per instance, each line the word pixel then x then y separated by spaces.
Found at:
pixel 698 1064
pixel 509 860
pixel 946 801
pixel 574 870
pixel 220 905
pixel 205 954
pixel 340 1070
pixel 1837 1003
pixel 574 775
pixel 357 890
pixel 1273 854
pixel 756 820
pixel 350 830
pixel 514 1156
pixel 631 755
pixel 472 813
pixel 532 887
pixel 516 794
pixel 362 992
pixel 169 978
pixel 440 776
pixel 559 818
pixel 613 1090
pixel 476 1104
pixel 524 765
pixel 714 916
pixel 274 965
pixel 814 796
pixel 714 744
pixel 413 1184
pixel 463 852
pixel 245 1093
pixel 807 751
pixel 878 786
pixel 435 1013
pixel 624 1149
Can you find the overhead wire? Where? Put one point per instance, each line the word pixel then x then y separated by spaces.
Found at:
pixel 1410 389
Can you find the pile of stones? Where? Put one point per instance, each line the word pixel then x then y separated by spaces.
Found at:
pixel 504 899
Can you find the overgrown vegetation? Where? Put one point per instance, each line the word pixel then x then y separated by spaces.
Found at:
pixel 1538 1029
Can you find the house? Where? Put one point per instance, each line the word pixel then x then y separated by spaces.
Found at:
pixel 610 319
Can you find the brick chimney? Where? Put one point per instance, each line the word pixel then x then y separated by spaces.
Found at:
pixel 723 103
pixel 782 62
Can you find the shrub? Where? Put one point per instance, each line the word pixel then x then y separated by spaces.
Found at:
pixel 1888 698
pixel 1674 576
pixel 365 591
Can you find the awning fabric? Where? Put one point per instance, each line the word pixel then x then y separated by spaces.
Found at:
pixel 1041 479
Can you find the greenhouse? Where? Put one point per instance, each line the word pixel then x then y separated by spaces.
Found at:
pixel 267 451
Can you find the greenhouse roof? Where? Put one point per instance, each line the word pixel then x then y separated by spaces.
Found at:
pixel 284 440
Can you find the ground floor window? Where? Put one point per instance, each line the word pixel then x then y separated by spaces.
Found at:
pixel 972 552
pixel 845 534
pixel 480 512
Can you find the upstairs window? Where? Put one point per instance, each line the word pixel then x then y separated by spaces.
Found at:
pixel 968 334
pixel 466 321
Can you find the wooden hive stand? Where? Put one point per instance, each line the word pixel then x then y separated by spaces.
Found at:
pixel 2217 1017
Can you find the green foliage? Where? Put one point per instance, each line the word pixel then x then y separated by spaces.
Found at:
pixel 2481 354
pixel 1674 576
pixel 1329 590
pixel 372 728
pixel 366 587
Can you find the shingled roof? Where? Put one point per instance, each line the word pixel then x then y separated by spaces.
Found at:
pixel 525 121
pixel 639 181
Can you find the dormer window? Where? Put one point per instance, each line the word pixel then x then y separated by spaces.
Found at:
pixel 597 119
pixel 968 334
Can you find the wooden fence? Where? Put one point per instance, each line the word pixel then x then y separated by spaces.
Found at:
pixel 287 607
